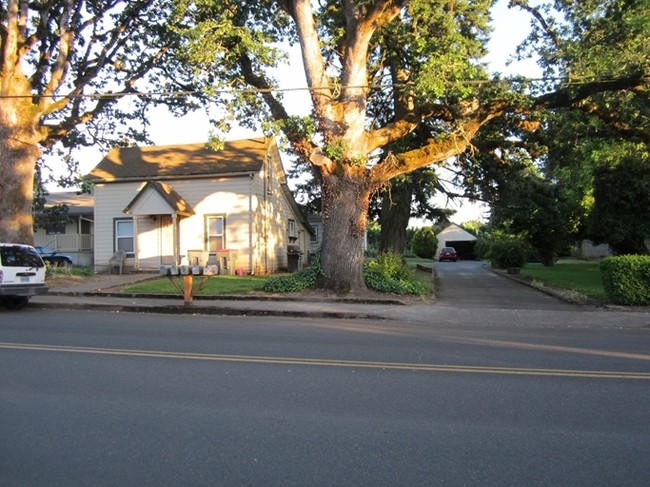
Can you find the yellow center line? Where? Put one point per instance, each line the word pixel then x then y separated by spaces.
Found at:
pixel 596 374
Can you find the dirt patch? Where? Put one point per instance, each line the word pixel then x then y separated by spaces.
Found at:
pixel 66 280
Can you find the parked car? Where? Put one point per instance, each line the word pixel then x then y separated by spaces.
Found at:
pixel 448 253
pixel 22 274
pixel 53 258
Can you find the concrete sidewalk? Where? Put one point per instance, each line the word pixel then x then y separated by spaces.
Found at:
pixel 103 292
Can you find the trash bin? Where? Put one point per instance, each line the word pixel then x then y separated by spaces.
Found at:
pixel 227 261
pixel 293 258
pixel 197 257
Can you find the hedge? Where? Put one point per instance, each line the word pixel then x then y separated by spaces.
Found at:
pixel 626 279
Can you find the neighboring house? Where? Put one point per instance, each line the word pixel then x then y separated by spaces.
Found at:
pixel 316 222
pixel 463 241
pixel 586 249
pixel 187 204
pixel 75 238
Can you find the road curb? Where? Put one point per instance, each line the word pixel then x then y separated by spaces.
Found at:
pixel 205 310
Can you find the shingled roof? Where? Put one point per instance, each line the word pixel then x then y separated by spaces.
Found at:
pixel 177 161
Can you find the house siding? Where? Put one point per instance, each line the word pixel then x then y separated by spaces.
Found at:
pixel 256 216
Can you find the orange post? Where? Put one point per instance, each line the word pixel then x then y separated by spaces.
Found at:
pixel 187 289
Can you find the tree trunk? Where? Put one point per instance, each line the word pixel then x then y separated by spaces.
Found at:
pixel 395 216
pixel 18 156
pixel 345 209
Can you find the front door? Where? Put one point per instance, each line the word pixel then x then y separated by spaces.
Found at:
pixel 148 245
pixel 166 240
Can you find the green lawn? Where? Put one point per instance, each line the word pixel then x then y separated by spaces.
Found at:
pixel 576 275
pixel 214 285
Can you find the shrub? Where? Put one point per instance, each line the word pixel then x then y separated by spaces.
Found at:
pixel 506 251
pixel 626 279
pixel 424 243
pixel 298 281
pixel 389 274
pixel 67 271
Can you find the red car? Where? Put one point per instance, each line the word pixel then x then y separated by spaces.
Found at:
pixel 448 253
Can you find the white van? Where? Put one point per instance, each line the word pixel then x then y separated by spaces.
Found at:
pixel 22 274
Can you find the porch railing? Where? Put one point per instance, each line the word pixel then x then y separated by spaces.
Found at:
pixel 70 242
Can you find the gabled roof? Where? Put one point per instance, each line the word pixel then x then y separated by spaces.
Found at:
pixel 77 203
pixel 176 203
pixel 457 232
pixel 177 161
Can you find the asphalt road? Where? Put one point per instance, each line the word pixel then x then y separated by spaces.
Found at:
pixel 469 284
pixel 96 398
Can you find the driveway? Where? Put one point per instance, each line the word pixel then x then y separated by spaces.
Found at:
pixel 471 284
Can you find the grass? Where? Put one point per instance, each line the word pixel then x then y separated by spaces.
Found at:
pixel 214 285
pixel 579 276
pixel 68 271
pixel 223 285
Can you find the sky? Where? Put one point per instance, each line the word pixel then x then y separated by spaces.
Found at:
pixel 510 28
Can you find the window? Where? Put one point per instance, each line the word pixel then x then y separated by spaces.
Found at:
pixel 291 228
pixel 216 232
pixel 124 236
pixel 269 179
pixel 314 237
pixel 55 229
pixel 85 227
pixel 19 256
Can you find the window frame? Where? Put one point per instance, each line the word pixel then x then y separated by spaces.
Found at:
pixel 207 234
pixel 117 237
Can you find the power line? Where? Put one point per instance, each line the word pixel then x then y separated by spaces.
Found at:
pixel 221 91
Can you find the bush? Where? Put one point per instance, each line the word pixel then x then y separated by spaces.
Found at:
pixel 626 279
pixel 67 271
pixel 506 251
pixel 298 281
pixel 389 274
pixel 424 243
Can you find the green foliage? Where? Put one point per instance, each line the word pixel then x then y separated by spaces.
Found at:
pixel 505 251
pixel 475 227
pixel 389 274
pixel 424 243
pixel 67 271
pixel 52 218
pixel 621 213
pixel 298 281
pixel 626 279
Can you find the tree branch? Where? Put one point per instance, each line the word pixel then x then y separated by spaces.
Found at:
pixel 574 93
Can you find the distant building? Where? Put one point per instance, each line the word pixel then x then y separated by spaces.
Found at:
pixel 75 238
pixel 458 238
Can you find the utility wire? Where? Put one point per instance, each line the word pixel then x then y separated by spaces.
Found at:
pixel 187 93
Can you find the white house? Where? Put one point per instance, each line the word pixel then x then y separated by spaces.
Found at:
pixel 187 204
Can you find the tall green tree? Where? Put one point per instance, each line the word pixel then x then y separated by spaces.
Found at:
pixel 64 65
pixel 408 196
pixel 621 213
pixel 600 151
